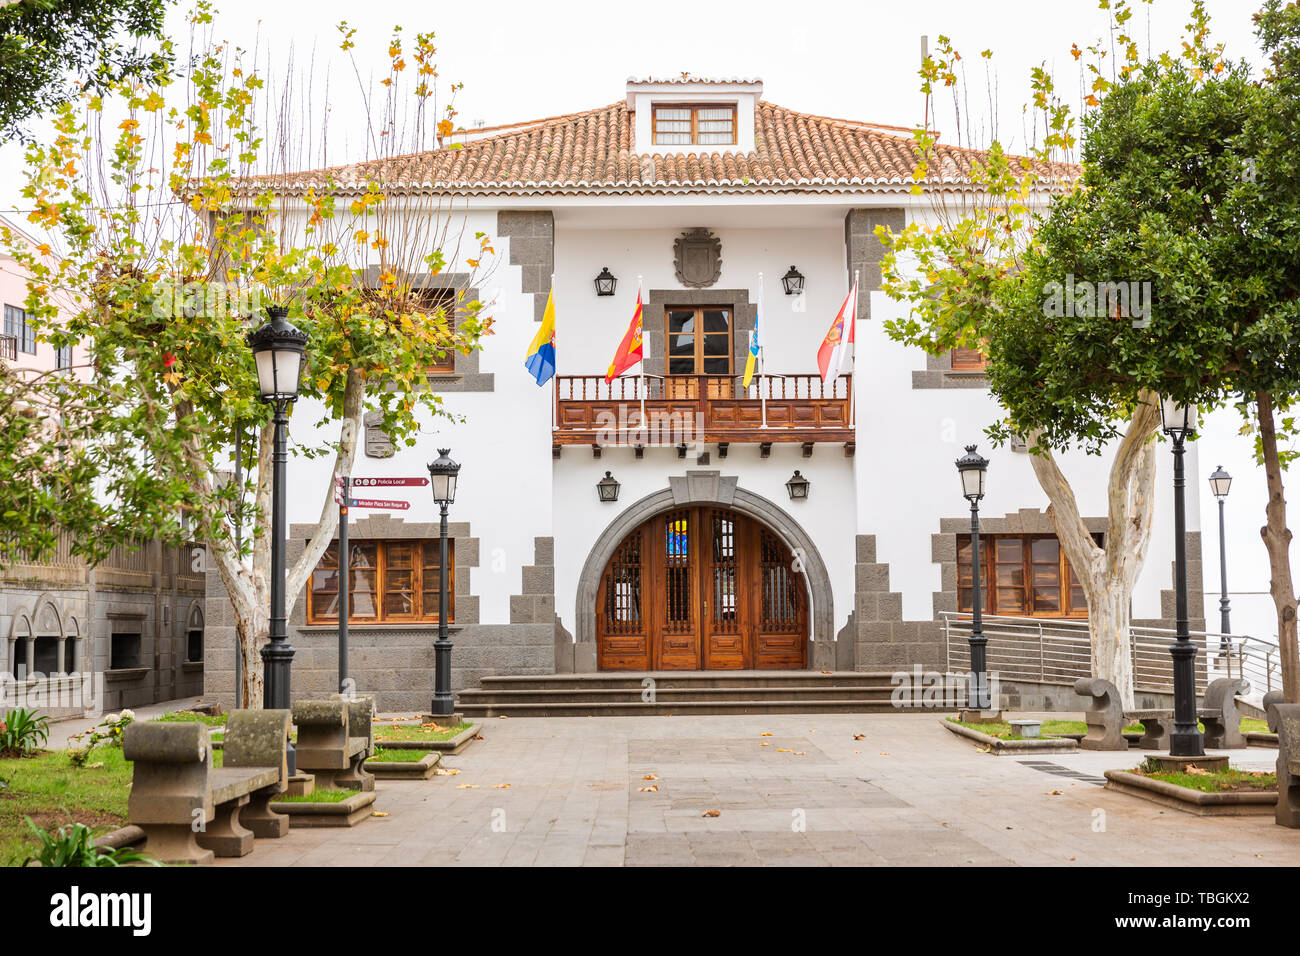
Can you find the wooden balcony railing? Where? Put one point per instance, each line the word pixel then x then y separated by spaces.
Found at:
pixel 685 409
pixel 9 347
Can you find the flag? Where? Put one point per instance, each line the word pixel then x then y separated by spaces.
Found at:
pixel 540 360
pixel 754 344
pixel 629 350
pixel 833 354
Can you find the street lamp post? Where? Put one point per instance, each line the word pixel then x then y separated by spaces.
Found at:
pixel 1220 482
pixel 442 476
pixel 278 349
pixel 971 468
pixel 1179 423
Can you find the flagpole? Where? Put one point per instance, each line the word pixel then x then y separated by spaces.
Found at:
pixel 762 357
pixel 853 362
pixel 644 384
pixel 551 293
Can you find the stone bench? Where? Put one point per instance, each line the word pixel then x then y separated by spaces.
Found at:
pixel 1106 718
pixel 334 739
pixel 1284 720
pixel 189 811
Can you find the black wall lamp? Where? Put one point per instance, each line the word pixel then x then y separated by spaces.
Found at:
pixel 605 282
pixel 793 282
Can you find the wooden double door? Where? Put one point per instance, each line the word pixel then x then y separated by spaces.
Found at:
pixel 701 589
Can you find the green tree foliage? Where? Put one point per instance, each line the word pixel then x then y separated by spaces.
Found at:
pixel 50 48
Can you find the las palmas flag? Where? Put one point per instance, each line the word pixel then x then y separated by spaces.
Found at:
pixel 629 350
pixel 834 351
pixel 754 344
pixel 540 360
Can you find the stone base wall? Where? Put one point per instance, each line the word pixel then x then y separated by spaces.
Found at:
pixel 395 662
pixel 883 641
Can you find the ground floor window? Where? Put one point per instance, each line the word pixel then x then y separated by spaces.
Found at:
pixel 124 651
pixel 389 581
pixel 1022 575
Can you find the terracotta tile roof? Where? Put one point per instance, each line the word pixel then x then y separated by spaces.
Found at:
pixel 593 152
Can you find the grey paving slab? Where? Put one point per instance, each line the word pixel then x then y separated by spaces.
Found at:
pixel 789 790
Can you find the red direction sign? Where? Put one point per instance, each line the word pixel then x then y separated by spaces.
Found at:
pixel 379 503
pixel 389 482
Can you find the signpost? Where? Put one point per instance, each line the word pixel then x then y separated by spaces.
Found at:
pixel 345 572
pixel 343 487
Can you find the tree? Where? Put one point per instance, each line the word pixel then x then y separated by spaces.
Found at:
pixel 96 43
pixel 179 224
pixel 959 274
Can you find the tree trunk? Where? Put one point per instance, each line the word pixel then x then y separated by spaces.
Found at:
pixel 1108 573
pixel 1277 539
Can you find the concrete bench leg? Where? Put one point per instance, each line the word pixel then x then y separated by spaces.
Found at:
pixel 258 816
pixel 1155 735
pixel 1216 733
pixel 174 844
pixel 356 777
pixel 225 835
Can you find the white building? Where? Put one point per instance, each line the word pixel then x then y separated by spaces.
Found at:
pixel 690 189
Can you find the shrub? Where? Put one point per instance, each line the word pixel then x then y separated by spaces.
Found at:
pixel 22 731
pixel 74 845
pixel 109 729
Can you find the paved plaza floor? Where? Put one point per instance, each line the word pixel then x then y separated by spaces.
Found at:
pixel 641 791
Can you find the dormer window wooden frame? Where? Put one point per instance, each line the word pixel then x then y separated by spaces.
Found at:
pixel 683 124
pixel 969 360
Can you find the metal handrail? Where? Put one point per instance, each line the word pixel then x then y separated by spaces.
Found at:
pixel 1059 650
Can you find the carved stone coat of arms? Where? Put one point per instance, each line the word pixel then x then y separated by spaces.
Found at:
pixel 697 257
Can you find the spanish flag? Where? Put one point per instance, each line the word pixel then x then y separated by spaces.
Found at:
pixel 629 350
pixel 540 360
pixel 834 352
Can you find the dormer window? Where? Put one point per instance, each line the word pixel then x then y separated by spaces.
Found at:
pixel 703 125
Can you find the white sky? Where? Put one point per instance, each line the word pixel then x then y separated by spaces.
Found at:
pixel 523 60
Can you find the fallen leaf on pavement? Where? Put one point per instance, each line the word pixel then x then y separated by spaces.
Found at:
pixel 711 813
pixel 468 786
pixel 859 736
pixel 653 788
pixel 765 735
pixel 651 776
pixel 379 813
pixel 884 753
pixel 765 744
pixel 500 786
pixel 857 751
pixel 1054 793
pixel 503 717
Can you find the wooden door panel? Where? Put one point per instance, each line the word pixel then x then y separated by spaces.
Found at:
pixel 725 616
pixel 780 634
pixel 623 635
pixel 674 542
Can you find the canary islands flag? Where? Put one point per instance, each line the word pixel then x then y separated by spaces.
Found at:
pixel 540 360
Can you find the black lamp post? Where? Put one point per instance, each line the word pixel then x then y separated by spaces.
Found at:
pixel 278 349
pixel 442 476
pixel 793 281
pixel 971 468
pixel 1220 482
pixel 1179 423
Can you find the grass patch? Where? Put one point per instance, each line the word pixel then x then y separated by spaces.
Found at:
pixel 1253 725
pixel 189 716
pixel 47 788
pixel 1211 781
pixel 1051 729
pixel 431 732
pixel 398 756
pixel 317 796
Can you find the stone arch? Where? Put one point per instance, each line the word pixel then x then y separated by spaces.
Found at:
pixel 47 619
pixel 194 620
pixel 712 488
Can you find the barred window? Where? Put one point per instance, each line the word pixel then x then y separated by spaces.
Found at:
pixel 390 581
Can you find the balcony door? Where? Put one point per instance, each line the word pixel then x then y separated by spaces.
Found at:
pixel 701 589
pixel 698 344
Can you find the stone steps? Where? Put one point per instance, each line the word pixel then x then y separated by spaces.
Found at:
pixel 675 692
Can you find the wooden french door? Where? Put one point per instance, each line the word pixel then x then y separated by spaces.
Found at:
pixel 698 344
pixel 701 589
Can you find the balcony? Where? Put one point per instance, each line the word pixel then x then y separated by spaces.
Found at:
pixel 639 410
pixel 8 348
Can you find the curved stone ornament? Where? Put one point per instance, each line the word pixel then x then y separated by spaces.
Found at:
pixel 697 258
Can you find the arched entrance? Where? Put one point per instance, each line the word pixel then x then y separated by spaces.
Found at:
pixel 701 588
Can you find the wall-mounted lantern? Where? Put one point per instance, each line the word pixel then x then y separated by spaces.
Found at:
pixel 605 282
pixel 797 486
pixel 793 282
pixel 607 488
